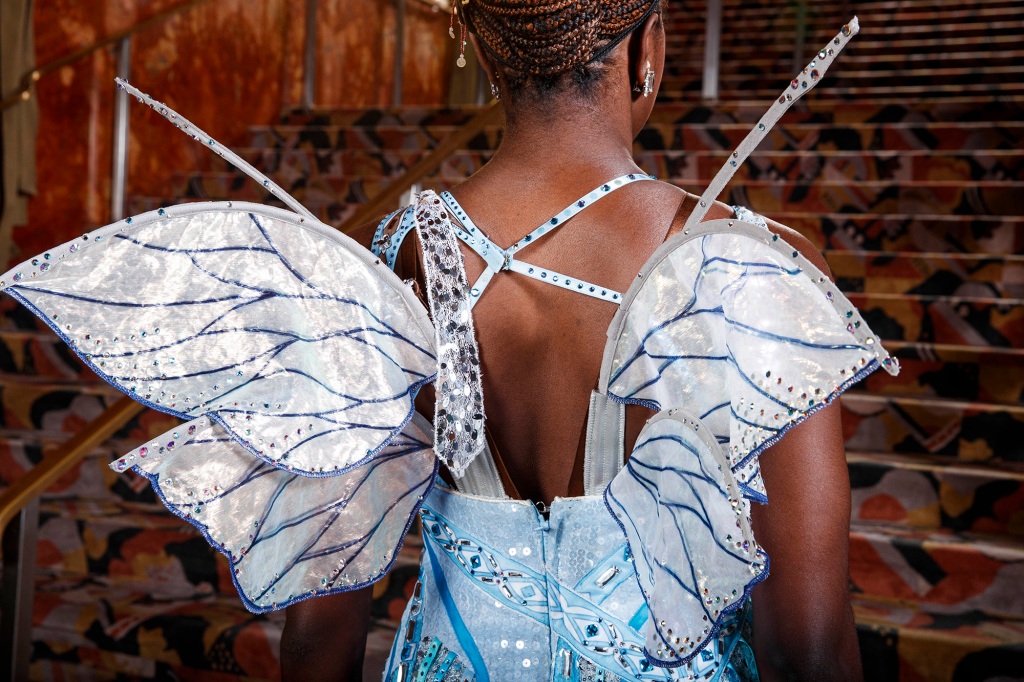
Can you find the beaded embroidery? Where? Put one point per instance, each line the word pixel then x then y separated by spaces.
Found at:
pixel 459 408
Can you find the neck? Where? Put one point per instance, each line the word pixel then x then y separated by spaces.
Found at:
pixel 570 140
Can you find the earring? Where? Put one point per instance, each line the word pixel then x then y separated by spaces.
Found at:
pixel 648 86
pixel 495 92
pixel 461 61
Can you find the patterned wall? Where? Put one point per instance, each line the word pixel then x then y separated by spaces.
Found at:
pixel 226 65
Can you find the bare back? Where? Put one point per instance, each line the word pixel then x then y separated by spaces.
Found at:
pixel 541 346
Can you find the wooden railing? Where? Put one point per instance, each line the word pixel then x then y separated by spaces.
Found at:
pixel 492 114
pixel 21 501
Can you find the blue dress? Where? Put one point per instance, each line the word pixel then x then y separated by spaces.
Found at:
pixel 293 357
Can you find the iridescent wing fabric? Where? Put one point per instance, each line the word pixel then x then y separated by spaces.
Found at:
pixel 289 536
pixel 307 351
pixel 737 333
pixel 734 325
pixel 686 522
pixel 293 355
pixel 740 331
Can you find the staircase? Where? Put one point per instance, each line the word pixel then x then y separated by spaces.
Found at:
pixel 905 166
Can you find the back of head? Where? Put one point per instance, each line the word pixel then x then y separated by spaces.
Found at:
pixel 543 46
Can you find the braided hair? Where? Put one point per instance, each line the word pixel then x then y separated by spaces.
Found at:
pixel 541 42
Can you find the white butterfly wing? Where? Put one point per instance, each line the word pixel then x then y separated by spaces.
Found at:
pixel 735 326
pixel 737 338
pixel 302 346
pixel 290 537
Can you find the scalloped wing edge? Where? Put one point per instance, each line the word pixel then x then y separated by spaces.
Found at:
pixel 694 424
pixel 862 333
pixel 31 268
pixel 252 607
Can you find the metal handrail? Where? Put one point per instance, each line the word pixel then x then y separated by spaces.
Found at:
pixel 29 79
pixel 64 457
pixel 492 114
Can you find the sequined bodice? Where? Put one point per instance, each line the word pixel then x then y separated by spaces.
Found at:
pixel 505 593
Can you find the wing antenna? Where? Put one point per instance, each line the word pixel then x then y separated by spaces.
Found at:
pixel 220 150
pixel 801 85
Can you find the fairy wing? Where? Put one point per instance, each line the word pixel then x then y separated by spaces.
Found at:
pixel 293 355
pixel 734 325
pixel 735 330
pixel 740 337
pixel 302 346
pixel 686 522
pixel 288 536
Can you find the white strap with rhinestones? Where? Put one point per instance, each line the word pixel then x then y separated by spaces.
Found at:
pixel 800 85
pixel 220 150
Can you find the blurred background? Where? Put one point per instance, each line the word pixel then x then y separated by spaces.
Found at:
pixel 905 166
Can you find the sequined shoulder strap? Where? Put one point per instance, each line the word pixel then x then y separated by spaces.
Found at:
pixel 499 259
pixel 459 406
pixel 799 86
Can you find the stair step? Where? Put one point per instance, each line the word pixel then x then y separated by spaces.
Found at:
pixel 909 232
pixel 852 77
pixel 40 354
pixel 896 36
pixel 839 95
pixel 989 198
pixel 958 571
pixel 90 477
pixel 742 110
pixel 756 11
pixel 139 544
pixel 968 431
pixel 900 642
pixel 933 493
pixel 984 378
pixel 903 135
pixel 295 167
pixel 942 319
pixel 769 197
pixel 119 626
pixel 932 274
pixel 53 405
pixel 926 135
pixel 959 54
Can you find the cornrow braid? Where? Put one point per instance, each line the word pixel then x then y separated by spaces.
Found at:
pixel 544 39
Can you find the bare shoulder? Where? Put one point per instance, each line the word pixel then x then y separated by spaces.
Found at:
pixel 363 235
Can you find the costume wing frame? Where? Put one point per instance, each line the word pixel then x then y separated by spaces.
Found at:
pixel 98 291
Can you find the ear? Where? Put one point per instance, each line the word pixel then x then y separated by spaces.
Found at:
pixel 647 51
pixel 484 57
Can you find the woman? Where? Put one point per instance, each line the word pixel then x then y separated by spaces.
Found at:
pixel 578 81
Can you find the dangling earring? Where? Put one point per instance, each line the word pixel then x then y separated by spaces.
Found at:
pixel 495 92
pixel 461 61
pixel 648 86
pixel 648 83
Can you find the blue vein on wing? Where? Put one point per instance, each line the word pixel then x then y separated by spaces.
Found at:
pixel 750 269
pixel 405 364
pixel 403 446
